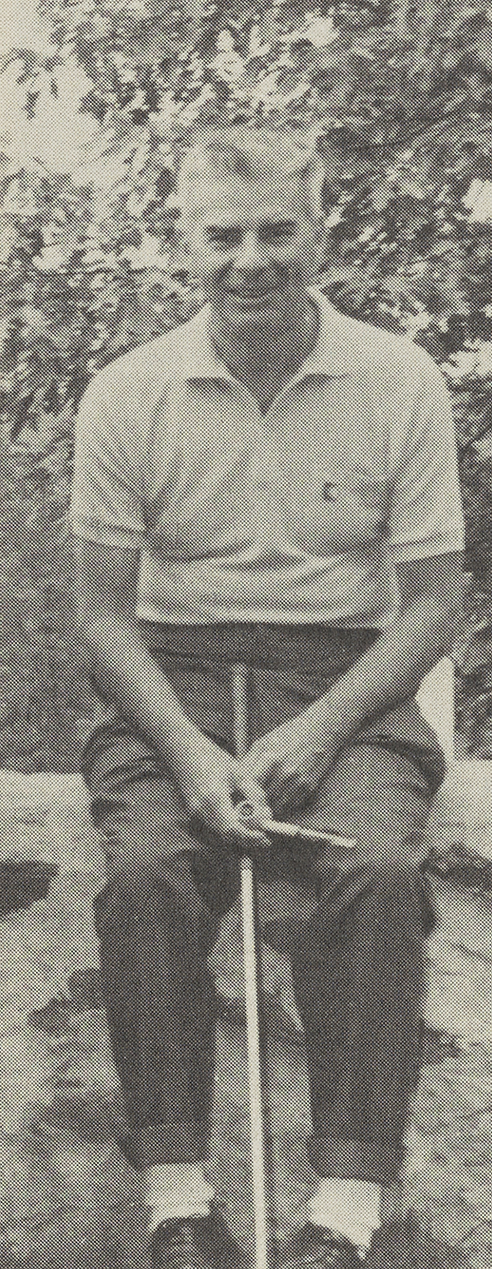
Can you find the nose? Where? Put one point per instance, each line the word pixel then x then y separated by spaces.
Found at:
pixel 250 254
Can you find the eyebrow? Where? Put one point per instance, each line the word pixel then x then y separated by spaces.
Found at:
pixel 278 224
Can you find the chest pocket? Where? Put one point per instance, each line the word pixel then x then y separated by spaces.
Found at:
pixel 342 507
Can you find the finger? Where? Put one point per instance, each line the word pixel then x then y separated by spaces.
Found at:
pixel 252 837
pixel 233 829
pixel 253 818
pixel 252 791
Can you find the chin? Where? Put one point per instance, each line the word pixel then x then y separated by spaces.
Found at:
pixel 269 318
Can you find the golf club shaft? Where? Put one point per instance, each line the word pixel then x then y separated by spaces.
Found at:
pixel 240 704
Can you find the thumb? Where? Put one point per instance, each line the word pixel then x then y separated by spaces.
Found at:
pixel 254 794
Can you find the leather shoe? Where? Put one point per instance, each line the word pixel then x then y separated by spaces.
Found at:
pixel 199 1242
pixel 23 882
pixel 314 1247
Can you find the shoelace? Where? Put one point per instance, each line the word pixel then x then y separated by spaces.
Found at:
pixel 179 1241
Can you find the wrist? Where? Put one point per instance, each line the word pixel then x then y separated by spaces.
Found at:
pixel 331 722
pixel 177 738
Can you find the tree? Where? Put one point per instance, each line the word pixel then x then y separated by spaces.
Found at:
pixel 401 95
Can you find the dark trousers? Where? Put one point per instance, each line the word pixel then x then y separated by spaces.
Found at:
pixel 357 957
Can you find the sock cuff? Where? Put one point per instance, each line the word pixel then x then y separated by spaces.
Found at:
pixel 176 1192
pixel 350 1208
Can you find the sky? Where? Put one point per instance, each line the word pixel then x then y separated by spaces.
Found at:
pixel 19 24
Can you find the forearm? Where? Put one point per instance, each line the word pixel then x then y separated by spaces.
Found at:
pixel 123 668
pixel 209 780
pixel 391 670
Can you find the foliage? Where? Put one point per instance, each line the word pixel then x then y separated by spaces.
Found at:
pixel 401 94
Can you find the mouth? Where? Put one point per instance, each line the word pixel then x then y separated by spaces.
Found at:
pixel 251 300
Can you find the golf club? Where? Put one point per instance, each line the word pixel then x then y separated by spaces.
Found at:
pixel 250 954
pixel 295 833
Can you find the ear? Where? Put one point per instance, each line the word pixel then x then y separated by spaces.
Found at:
pixel 181 249
pixel 322 237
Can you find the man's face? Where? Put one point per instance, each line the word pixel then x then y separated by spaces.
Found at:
pixel 254 248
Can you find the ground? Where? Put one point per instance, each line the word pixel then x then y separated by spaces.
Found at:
pixel 67 1195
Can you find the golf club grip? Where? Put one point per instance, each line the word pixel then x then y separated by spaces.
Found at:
pixel 295 832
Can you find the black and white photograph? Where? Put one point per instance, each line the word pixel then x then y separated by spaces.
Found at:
pixel 245 634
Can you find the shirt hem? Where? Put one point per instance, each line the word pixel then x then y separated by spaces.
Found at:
pixel 151 616
pixel 401 552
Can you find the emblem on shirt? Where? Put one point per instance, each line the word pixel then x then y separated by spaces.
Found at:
pixel 328 491
pixel 356 486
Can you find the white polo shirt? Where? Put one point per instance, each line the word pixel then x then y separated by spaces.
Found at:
pixel 296 515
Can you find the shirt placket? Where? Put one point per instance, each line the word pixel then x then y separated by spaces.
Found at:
pixel 271 478
pixel 264 471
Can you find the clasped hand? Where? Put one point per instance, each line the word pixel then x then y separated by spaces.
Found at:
pixel 289 762
pixel 279 774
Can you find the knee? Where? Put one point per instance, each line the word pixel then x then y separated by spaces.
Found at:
pixel 392 872
pixel 141 907
pixel 135 836
pixel 395 858
pixel 389 889
pixel 394 848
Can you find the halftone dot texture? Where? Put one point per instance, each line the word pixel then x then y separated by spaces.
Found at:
pixel 263 157
pixel 122 1037
pixel 68 1195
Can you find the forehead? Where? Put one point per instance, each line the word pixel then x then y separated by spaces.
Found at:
pixel 232 200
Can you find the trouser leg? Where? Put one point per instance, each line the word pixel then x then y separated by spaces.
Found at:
pixel 358 966
pixel 144 822
pixel 156 921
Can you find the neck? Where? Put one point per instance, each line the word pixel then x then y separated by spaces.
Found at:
pixel 268 352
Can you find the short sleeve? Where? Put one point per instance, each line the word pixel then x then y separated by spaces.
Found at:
pixel 106 504
pixel 426 515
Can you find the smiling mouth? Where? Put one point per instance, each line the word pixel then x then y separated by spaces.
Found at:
pixel 253 297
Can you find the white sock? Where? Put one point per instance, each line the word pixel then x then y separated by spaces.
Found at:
pixel 350 1208
pixel 176 1191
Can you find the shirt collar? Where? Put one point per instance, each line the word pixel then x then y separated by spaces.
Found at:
pixel 332 355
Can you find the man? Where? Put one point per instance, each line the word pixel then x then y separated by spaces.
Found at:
pixel 272 484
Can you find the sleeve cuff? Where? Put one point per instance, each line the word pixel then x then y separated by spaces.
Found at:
pixel 106 535
pixel 401 552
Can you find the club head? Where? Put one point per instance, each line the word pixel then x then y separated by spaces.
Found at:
pixel 295 832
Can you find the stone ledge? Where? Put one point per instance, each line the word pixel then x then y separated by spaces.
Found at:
pixel 59 1092
pixel 462 808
